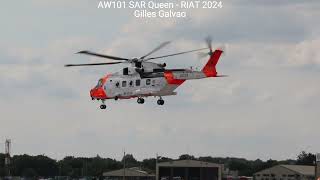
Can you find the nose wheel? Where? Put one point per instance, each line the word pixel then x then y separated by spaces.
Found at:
pixel 103 106
pixel 140 100
pixel 160 102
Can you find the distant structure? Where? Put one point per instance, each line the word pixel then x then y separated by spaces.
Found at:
pixel 134 173
pixel 317 177
pixel 286 172
pixel 7 160
pixel 230 174
pixel 188 170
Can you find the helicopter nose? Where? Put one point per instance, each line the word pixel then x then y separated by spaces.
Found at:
pixel 98 93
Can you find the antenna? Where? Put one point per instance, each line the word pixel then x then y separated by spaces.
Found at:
pixel 317 169
pixel 124 164
pixel 7 161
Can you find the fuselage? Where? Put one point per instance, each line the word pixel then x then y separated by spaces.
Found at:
pixel 131 83
pixel 121 86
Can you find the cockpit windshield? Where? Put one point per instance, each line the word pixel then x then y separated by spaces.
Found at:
pixel 99 83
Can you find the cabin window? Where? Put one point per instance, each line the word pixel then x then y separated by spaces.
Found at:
pixel 99 83
pixel 131 83
pixel 124 83
pixel 148 81
pixel 138 82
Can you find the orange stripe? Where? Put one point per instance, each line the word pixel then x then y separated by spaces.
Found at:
pixel 171 80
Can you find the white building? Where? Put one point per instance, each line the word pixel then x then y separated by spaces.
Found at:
pixel 286 172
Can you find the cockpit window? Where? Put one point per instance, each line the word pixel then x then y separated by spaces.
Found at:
pixel 99 83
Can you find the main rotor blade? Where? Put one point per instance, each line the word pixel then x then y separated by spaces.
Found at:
pixel 202 55
pixel 156 49
pixel 175 54
pixel 92 64
pixel 103 55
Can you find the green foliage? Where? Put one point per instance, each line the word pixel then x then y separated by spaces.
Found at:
pixel 78 167
pixel 149 164
pixel 164 159
pixel 306 158
pixel 130 161
pixel 186 157
pixel 32 166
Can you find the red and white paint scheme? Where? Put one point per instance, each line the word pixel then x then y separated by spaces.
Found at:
pixel 145 79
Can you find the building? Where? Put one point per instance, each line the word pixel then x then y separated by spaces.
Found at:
pixel 228 174
pixel 286 172
pixel 129 173
pixel 188 170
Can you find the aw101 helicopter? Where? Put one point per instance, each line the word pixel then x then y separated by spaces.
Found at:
pixel 145 78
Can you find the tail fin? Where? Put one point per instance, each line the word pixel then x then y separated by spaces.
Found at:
pixel 210 68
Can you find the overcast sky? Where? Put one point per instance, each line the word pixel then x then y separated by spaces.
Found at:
pixel 268 107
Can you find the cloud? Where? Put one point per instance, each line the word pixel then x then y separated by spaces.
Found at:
pixel 305 53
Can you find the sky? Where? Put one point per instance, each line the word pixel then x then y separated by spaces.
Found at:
pixel 267 107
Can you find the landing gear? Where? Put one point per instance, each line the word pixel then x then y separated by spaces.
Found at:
pixel 160 102
pixel 116 98
pixel 140 100
pixel 103 106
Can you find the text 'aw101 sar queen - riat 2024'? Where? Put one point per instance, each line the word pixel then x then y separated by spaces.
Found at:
pixel 143 78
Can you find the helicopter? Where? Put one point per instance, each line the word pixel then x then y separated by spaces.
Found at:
pixel 144 78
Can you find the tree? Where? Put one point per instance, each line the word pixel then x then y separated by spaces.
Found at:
pixel 130 161
pixel 149 164
pixel 306 158
pixel 2 167
pixel 164 159
pixel 34 165
pixel 243 167
pixel 29 173
pixel 186 157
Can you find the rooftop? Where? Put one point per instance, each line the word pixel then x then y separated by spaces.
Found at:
pixel 301 169
pixel 188 163
pixel 134 172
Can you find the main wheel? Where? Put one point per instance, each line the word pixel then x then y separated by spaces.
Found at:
pixel 160 102
pixel 103 106
pixel 140 100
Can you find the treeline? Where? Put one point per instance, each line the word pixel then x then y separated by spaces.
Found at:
pixel 43 166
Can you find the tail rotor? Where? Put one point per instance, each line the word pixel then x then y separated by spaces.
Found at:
pixel 208 41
